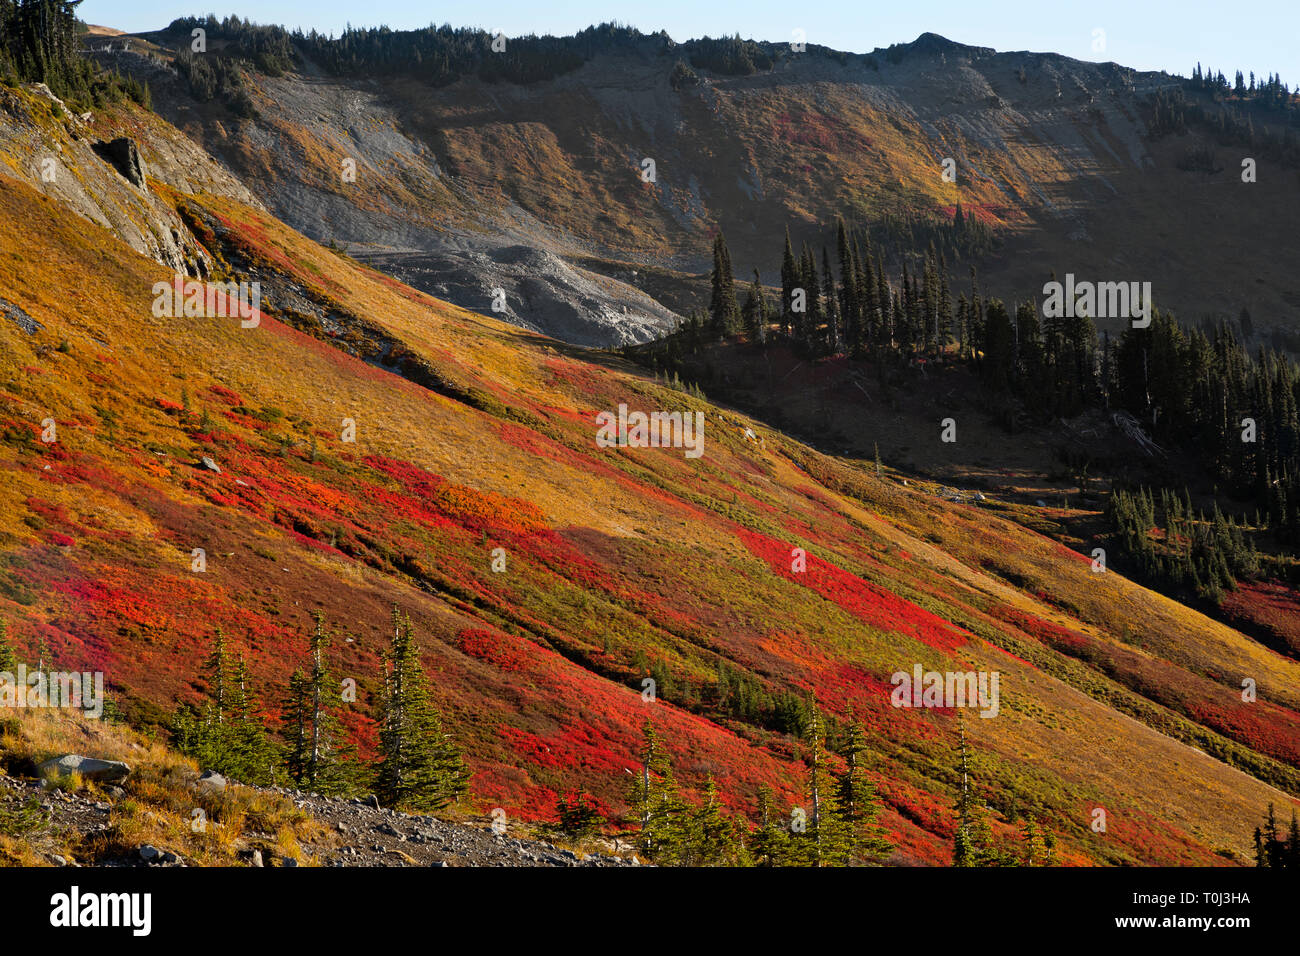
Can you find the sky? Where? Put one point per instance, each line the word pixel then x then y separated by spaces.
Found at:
pixel 1261 35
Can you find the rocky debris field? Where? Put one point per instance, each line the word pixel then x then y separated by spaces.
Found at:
pixel 360 833
pixel 369 835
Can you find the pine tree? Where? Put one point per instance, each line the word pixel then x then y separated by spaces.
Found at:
pixel 771 841
pixel 318 758
pixel 724 314
pixel 857 799
pixel 654 795
pixel 419 767
pixel 8 659
pixel 295 715
pixel 249 749
pixel 789 280
pixel 824 841
pixel 755 311
pixel 577 819
pixel 716 837
pixel 228 732
pixel 973 836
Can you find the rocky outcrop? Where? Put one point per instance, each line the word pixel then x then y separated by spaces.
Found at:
pixel 124 156
pixel 83 162
pixel 87 768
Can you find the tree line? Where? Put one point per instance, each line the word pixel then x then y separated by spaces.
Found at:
pixel 1199 390
pixel 40 43
pixel 1180 549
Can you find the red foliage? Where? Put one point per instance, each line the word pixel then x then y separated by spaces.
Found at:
pixel 490 646
pixel 864 600
pixel 226 395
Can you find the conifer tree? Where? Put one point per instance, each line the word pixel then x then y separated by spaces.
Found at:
pixel 717 837
pixel 771 841
pixel 318 757
pixel 228 732
pixel 724 314
pixel 857 799
pixel 295 711
pixel 419 767
pixel 577 819
pixel 755 311
pixel 824 841
pixel 8 659
pixel 654 796
pixel 789 281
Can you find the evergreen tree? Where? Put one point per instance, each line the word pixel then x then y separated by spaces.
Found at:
pixel 295 715
pixel 419 767
pixel 8 659
pixel 654 796
pixel 724 314
pixel 227 733
pixel 318 757
pixel 825 840
pixel 771 841
pixel 789 281
pixel 755 311
pixel 857 799
pixel 577 819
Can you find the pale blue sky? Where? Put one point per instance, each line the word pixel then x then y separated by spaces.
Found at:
pixel 1263 36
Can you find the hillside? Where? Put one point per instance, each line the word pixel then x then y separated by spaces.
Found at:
pixel 471 435
pixel 1063 159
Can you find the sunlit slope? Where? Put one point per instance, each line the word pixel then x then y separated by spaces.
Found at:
pixel 618 562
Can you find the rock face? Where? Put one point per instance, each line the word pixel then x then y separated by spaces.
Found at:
pixel 124 155
pixel 88 768
pixel 211 781
pixel 104 181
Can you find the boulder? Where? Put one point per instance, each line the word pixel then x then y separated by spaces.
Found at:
pixel 211 781
pixel 88 768
pixel 124 156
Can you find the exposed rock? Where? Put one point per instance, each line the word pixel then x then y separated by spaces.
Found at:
pixel 124 155
pixel 88 768
pixel 211 465
pixel 150 853
pixel 21 318
pixel 210 780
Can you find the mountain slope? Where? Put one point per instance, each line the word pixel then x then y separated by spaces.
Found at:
pixel 472 435
pixel 1062 158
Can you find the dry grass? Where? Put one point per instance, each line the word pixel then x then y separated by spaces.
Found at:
pixel 161 807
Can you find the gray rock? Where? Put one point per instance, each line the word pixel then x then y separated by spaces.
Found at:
pixel 212 781
pixel 211 465
pixel 124 156
pixel 150 853
pixel 20 318
pixel 255 859
pixel 88 768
